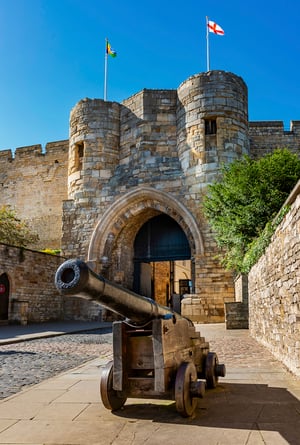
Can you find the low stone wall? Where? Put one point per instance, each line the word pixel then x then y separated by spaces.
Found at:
pixel 237 312
pixel 236 316
pixel 32 294
pixel 33 297
pixel 79 309
pixel 274 291
pixel 203 309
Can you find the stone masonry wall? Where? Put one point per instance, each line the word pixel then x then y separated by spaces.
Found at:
pixel 204 309
pixel 237 312
pixel 33 297
pixel 31 283
pixel 34 183
pixel 266 136
pixel 274 291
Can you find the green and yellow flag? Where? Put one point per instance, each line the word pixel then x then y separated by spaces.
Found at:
pixel 109 50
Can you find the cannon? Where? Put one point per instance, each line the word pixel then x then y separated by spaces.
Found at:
pixel 157 353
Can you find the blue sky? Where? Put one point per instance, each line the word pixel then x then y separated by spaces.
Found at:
pixel 52 55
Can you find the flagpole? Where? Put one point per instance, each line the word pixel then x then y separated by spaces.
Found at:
pixel 207 44
pixel 105 71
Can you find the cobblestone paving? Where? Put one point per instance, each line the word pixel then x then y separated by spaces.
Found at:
pixel 241 352
pixel 30 362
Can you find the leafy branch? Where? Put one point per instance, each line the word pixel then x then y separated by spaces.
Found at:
pixel 246 198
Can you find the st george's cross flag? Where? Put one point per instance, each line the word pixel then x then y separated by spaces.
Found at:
pixel 215 28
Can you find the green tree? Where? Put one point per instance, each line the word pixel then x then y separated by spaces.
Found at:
pixel 13 230
pixel 248 194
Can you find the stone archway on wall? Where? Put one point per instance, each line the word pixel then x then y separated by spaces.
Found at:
pixel 111 246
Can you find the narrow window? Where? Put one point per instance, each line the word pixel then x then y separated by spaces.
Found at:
pixel 79 151
pixel 210 126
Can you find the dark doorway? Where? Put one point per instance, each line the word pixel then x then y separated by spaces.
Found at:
pixel 158 245
pixel 161 239
pixel 4 296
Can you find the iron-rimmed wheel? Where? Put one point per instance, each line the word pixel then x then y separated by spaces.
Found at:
pixel 211 374
pixel 185 403
pixel 111 398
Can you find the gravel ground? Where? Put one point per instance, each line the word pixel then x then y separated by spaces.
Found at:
pixel 30 362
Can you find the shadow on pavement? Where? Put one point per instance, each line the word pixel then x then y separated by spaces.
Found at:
pixel 13 352
pixel 255 407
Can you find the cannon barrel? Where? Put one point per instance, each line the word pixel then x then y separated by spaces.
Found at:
pixel 74 277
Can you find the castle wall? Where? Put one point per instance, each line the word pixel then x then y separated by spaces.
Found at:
pixel 274 291
pixel 34 183
pixel 33 296
pixel 266 136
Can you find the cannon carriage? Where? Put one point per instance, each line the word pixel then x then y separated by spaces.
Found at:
pixel 157 353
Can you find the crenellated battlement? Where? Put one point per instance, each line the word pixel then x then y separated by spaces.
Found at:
pixel 33 181
pixel 275 126
pixel 6 155
pixel 51 148
pixel 266 136
pixel 295 126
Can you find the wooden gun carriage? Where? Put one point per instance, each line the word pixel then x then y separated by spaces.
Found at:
pixel 157 353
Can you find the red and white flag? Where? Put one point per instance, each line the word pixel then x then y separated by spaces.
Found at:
pixel 216 29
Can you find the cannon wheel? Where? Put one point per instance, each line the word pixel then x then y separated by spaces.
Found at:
pixel 211 375
pixel 185 403
pixel 111 399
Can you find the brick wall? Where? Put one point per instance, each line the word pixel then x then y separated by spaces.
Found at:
pixel 274 291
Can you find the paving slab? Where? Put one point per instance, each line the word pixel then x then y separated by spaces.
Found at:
pixel 255 404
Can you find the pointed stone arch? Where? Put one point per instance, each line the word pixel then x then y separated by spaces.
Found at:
pixel 132 210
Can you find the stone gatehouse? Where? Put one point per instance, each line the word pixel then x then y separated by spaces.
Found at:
pixel 125 192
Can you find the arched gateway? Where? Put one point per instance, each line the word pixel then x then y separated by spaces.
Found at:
pixel 119 250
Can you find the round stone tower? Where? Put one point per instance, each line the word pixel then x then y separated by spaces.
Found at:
pixel 93 147
pixel 212 123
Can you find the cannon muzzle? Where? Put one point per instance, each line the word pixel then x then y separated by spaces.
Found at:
pixel 74 277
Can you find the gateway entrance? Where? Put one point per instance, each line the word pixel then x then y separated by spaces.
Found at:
pixel 162 261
